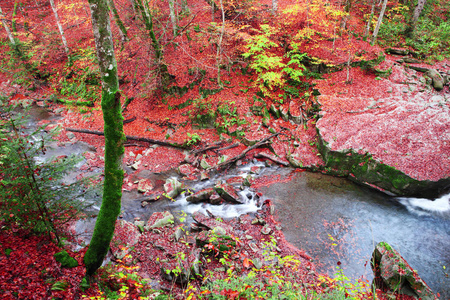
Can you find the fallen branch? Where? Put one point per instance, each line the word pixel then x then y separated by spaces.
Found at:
pixel 130 137
pixel 129 120
pixel 272 158
pixel 262 142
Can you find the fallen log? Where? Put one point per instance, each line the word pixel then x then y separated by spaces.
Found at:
pixel 272 158
pixel 133 138
pixel 262 142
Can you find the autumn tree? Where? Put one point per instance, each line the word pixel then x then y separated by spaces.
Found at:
pixel 415 17
pixel 114 138
pixel 380 20
pixel 61 30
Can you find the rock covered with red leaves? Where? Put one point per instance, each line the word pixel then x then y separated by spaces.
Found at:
pixel 392 133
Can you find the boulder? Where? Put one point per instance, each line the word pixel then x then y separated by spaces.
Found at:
pixel 201 196
pixel 160 219
pixel 173 187
pixel 393 272
pixel 438 81
pixel 227 192
pixel 126 235
pixel 144 186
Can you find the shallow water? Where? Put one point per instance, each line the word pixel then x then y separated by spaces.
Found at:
pixel 335 220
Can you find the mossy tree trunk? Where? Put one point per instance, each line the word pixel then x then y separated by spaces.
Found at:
pixel 122 29
pixel 114 138
pixel 159 59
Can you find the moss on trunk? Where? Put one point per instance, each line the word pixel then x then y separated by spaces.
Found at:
pixel 114 138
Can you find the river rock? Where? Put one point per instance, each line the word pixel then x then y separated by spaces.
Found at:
pixel 438 81
pixel 160 219
pixel 186 169
pixel 201 196
pixel 144 186
pixel 227 192
pixel 126 235
pixel 210 223
pixel 392 270
pixel 173 187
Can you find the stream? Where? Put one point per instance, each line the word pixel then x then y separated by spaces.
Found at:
pixel 331 218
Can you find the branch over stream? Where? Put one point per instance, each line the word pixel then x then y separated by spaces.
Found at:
pixel 130 137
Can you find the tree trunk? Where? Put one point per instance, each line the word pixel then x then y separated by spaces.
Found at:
pixel 122 29
pixel 61 31
pixel 114 138
pixel 148 20
pixel 366 33
pixel 10 36
pixel 274 6
pixel 416 15
pixel 219 45
pixel 380 20
pixel 172 16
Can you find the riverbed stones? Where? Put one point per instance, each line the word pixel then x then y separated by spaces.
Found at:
pixel 144 186
pixel 392 270
pixel 201 196
pixel 173 187
pixel 126 235
pixel 438 81
pixel 160 219
pixel 227 192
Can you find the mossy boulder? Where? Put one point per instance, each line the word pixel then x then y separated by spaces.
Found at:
pixel 391 271
pixel 364 169
pixel 65 259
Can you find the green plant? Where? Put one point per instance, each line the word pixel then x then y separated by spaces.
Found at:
pixel 194 138
pixel 34 194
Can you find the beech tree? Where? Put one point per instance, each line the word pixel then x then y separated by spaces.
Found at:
pixel 114 138
pixel 380 20
pixel 415 17
pixel 5 25
pixel 61 31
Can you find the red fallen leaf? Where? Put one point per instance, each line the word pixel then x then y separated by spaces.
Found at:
pixel 246 263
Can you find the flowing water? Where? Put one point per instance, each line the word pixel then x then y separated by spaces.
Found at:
pixel 332 219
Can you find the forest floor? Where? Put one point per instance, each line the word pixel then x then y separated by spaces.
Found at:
pixel 228 113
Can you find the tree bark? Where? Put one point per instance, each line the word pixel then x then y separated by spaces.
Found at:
pixel 5 25
pixel 172 16
pixel 122 29
pixel 274 6
pixel 148 21
pixel 380 20
pixel 366 33
pixel 416 15
pixel 114 138
pixel 61 31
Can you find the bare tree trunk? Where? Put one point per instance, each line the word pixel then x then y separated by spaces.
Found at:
pixel 274 6
pixel 380 20
pixel 10 36
pixel 114 138
pixel 61 31
pixel 122 29
pixel 219 44
pixel 416 15
pixel 172 16
pixel 366 33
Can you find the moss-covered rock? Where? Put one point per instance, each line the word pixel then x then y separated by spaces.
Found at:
pixel 393 272
pixel 362 168
pixel 65 259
